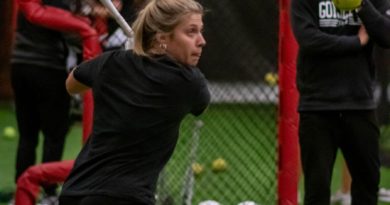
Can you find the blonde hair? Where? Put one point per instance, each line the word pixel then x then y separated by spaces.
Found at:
pixel 159 16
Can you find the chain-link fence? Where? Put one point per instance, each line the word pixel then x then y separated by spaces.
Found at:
pixel 229 154
pixel 231 158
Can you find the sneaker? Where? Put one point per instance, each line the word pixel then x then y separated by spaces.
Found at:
pixel 341 198
pixel 384 195
pixel 49 200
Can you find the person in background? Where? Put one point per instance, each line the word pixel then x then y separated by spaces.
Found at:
pixel 42 104
pixel 335 78
pixel 140 98
pixel 38 74
pixel 382 63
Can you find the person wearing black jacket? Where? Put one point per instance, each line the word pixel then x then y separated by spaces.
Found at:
pixel 38 74
pixel 335 79
pixel 42 104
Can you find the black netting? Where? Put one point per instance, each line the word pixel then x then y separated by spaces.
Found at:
pixel 239 127
pixel 241 40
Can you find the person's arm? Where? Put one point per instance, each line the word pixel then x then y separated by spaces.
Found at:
pixel 85 75
pixel 64 21
pixel 73 86
pixel 311 38
pixel 201 98
pixel 376 21
pixel 201 102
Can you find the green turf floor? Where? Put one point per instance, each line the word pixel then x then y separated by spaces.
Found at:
pixel 73 144
pixel 8 149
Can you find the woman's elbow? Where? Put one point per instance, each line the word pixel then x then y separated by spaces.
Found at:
pixel 73 86
pixel 70 88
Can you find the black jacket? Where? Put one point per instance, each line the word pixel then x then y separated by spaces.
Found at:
pixel 40 46
pixel 334 72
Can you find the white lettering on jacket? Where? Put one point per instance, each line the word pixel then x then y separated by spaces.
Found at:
pixel 329 16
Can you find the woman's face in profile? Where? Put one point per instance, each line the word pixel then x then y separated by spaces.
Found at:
pixel 186 41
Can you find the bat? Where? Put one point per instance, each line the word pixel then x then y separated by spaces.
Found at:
pixel 120 20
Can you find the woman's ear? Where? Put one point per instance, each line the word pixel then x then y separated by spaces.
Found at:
pixel 159 45
pixel 161 38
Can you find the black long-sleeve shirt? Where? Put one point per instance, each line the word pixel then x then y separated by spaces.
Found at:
pixel 334 72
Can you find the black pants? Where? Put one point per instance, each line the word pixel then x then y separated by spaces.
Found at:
pixel 42 104
pixel 356 134
pixel 97 200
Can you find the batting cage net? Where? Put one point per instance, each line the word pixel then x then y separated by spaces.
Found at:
pixel 229 154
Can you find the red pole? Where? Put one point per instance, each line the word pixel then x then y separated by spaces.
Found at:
pixel 289 161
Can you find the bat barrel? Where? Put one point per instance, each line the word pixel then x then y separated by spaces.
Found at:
pixel 118 17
